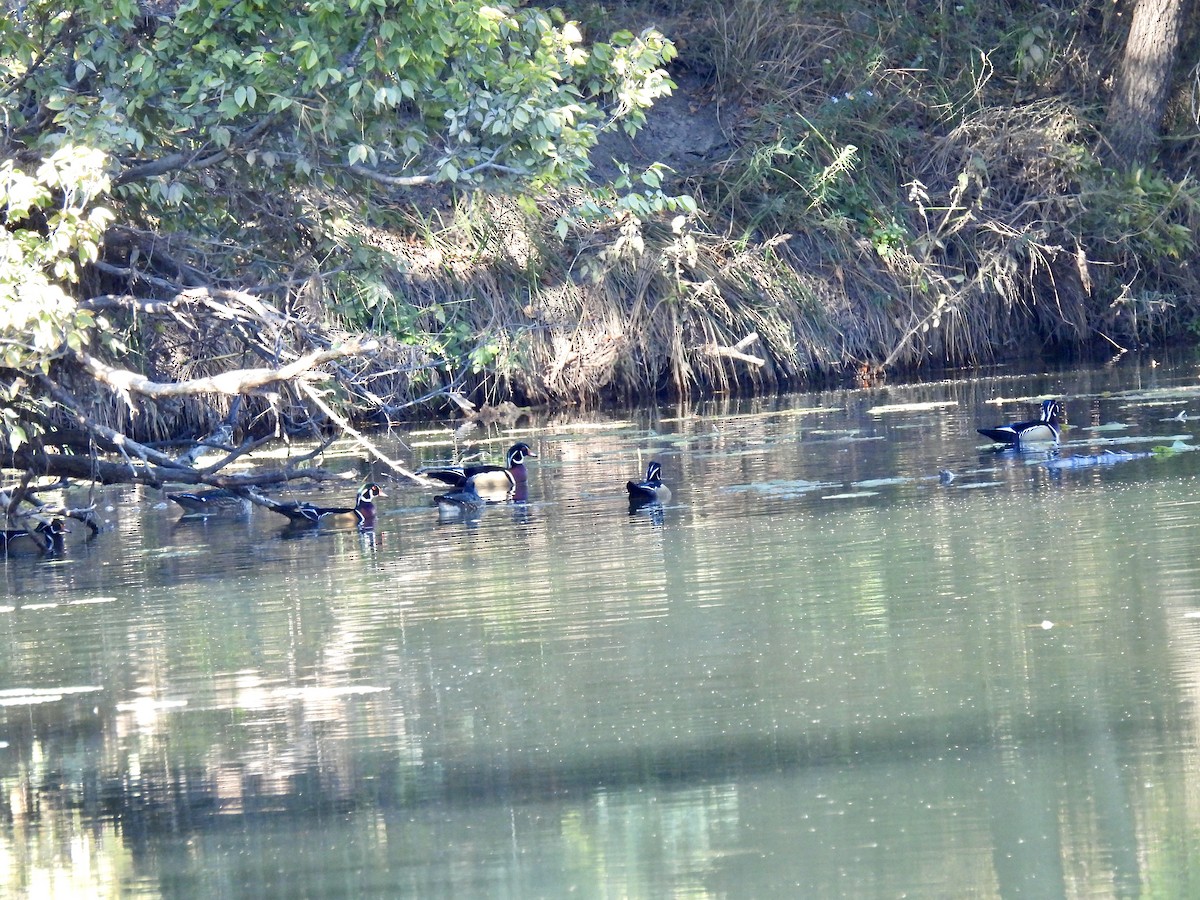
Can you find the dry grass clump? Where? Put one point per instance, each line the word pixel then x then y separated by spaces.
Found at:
pixel 607 316
pixel 992 217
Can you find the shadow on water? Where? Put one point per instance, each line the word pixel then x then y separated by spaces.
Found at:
pixel 185 798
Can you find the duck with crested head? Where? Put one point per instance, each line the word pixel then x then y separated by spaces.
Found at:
pixel 44 538
pixel 362 513
pixel 490 482
pixel 1045 429
pixel 650 489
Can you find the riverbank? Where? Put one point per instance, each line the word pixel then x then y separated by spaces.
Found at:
pixel 860 211
pixel 836 194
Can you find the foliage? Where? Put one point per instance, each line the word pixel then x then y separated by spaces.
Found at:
pixel 958 143
pixel 1145 214
pixel 457 92
pixel 626 207
pixel 249 133
pixel 53 224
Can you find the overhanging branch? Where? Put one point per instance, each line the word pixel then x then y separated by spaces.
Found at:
pixel 109 438
pixel 199 159
pixel 489 164
pixel 232 383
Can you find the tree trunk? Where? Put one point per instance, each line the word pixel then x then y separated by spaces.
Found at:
pixel 1135 112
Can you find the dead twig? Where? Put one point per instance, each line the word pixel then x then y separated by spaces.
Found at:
pixel 737 351
pixel 358 436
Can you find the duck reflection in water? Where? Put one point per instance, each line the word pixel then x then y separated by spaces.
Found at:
pixel 522 512
pixel 650 512
pixel 368 540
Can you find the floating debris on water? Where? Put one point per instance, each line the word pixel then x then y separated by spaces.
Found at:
pixel 1107 458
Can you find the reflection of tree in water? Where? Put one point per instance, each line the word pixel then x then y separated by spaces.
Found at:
pixel 147 804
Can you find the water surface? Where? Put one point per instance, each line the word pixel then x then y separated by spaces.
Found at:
pixel 822 670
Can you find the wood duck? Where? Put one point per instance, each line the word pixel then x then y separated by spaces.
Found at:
pixel 43 538
pixel 1042 430
pixel 490 482
pixel 362 513
pixel 214 502
pixel 53 533
pixel 464 501
pixel 649 490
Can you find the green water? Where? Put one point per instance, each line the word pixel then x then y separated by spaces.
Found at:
pixel 820 671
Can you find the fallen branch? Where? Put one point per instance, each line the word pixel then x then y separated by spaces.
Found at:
pixel 92 468
pixel 108 438
pixel 142 464
pixel 232 383
pixel 358 436
pixel 737 351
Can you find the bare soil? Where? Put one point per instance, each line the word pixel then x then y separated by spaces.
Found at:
pixel 688 131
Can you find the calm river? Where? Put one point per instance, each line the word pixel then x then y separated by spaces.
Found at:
pixel 821 670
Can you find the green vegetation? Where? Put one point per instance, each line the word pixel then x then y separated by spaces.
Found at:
pixel 192 189
pixel 171 161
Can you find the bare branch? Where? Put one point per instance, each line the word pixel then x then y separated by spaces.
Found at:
pixel 737 351
pixel 418 180
pixel 357 435
pixel 90 468
pixel 107 437
pixel 391 180
pixel 106 302
pixel 171 163
pixel 199 159
pixel 223 303
pixel 247 446
pixel 232 383
pixel 129 272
